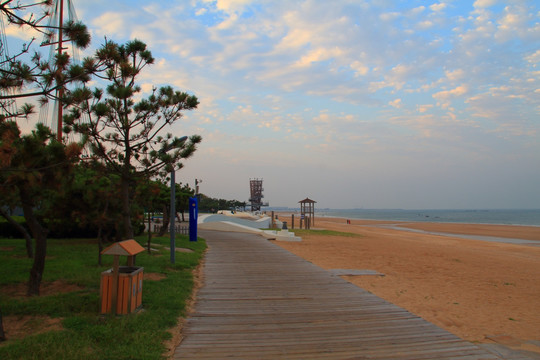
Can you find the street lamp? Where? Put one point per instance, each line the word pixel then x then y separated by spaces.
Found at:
pixel 173 202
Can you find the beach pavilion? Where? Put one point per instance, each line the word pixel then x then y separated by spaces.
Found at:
pixel 307 212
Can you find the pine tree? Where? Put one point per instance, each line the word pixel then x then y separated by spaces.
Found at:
pixel 126 134
pixel 32 166
pixel 35 167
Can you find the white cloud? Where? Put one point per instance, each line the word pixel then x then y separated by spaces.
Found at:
pixel 447 94
pixel 484 3
pixel 534 58
pixel 319 54
pixel 389 16
pixel 359 68
pixel 438 7
pixel 515 22
pixel 424 108
pixel 396 103
pixel 230 6
pixel 455 75
pixel 417 10
pixel 201 11
pixel 23 33
pixel 112 24
pixel 426 24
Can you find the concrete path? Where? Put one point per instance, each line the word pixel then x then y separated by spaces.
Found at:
pixel 261 302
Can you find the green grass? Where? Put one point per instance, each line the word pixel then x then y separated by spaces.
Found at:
pixel 86 334
pixel 301 232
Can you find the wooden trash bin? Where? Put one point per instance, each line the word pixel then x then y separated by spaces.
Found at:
pixel 121 286
pixel 129 290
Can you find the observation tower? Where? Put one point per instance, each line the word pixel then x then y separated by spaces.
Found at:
pixel 256 194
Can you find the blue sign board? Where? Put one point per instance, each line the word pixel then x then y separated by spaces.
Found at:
pixel 193 215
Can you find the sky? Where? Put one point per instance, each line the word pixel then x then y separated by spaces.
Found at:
pixel 354 104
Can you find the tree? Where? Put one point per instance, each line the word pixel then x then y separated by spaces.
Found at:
pixel 126 134
pixel 97 206
pixel 35 167
pixel 183 193
pixel 212 204
pixel 42 77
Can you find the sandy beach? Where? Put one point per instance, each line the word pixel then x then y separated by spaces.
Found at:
pixel 482 291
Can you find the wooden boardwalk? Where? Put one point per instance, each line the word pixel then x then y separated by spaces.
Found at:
pixel 261 302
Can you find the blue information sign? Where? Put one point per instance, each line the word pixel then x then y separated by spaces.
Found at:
pixel 193 215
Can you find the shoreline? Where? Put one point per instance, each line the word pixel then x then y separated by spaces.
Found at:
pixel 524 232
pixel 426 222
pixel 481 291
pixel 449 216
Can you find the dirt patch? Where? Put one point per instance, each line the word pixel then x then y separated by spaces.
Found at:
pixel 7 248
pixel 47 288
pixel 154 276
pixel 18 327
pixel 184 250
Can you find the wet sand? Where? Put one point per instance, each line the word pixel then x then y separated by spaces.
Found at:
pixel 482 291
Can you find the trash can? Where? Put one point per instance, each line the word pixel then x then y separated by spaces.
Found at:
pixel 129 296
pixel 121 286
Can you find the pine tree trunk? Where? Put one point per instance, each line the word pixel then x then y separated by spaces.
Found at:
pixel 165 224
pixel 2 333
pixel 100 231
pixel 126 211
pixel 149 232
pixel 100 244
pixel 22 230
pixel 40 235
pixel 36 273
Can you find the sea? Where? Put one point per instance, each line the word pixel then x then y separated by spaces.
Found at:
pixel 530 217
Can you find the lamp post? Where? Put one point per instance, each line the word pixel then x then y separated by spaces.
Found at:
pixel 197 182
pixel 173 215
pixel 172 206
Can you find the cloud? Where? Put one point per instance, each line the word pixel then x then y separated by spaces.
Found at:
pixel 391 16
pixel 455 75
pixel 426 24
pixel 359 68
pixel 112 24
pixel 230 6
pixel 319 54
pixel 424 108
pixel 201 11
pixel 447 94
pixel 438 7
pixel 484 3
pixel 396 103
pixel 23 33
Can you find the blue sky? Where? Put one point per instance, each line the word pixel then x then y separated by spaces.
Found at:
pixel 374 104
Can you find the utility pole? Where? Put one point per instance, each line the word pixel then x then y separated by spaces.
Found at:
pixel 173 215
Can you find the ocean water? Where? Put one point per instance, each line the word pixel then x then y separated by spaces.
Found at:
pixel 506 217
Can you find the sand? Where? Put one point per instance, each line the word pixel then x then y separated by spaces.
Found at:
pixel 486 292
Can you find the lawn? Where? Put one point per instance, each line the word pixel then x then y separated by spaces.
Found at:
pixel 72 301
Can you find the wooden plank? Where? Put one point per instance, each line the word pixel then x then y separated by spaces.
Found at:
pixel 261 302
